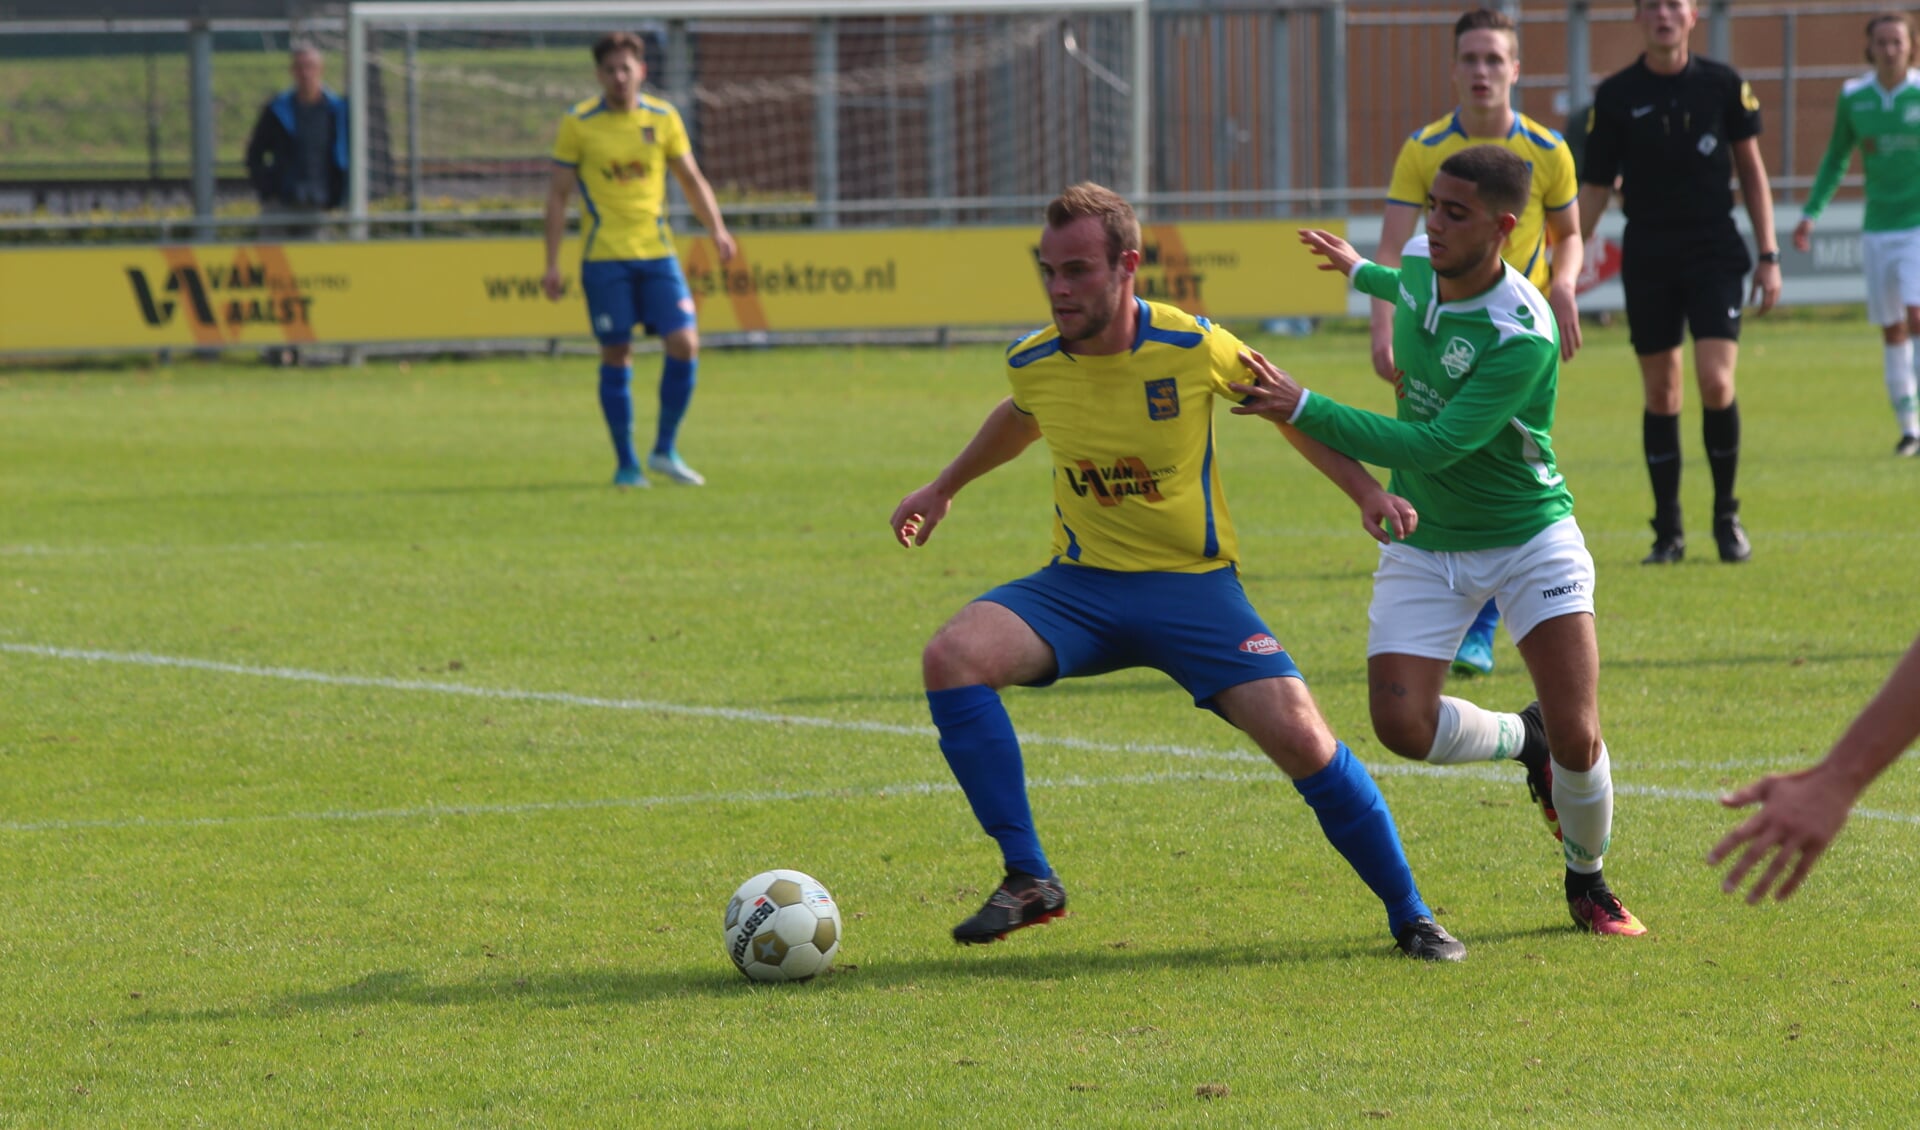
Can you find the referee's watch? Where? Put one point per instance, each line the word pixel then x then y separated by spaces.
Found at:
pixel 1769 256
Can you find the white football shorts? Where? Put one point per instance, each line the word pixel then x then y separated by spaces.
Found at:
pixel 1891 260
pixel 1424 601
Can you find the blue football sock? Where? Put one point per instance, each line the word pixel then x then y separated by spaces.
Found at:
pixel 677 379
pixel 1483 624
pixel 1355 819
pixel 978 739
pixel 616 404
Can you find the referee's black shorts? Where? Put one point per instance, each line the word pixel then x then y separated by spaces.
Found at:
pixel 1677 281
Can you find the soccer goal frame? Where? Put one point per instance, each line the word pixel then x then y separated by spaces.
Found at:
pixel 364 15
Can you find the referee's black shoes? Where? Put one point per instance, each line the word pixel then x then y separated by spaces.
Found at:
pixel 1669 548
pixel 1731 538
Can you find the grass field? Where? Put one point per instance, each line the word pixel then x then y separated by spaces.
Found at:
pixel 364 758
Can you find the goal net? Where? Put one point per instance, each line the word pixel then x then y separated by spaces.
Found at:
pixel 831 113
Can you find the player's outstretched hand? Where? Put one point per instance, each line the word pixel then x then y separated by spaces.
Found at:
pixel 1388 517
pixel 1800 814
pixel 1338 253
pixel 918 513
pixel 1566 312
pixel 553 284
pixel 1271 393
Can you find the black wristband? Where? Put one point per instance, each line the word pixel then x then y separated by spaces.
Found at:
pixel 1769 256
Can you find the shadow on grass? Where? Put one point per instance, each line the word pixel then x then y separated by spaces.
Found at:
pixel 710 979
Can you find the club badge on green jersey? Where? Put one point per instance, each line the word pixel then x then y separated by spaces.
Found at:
pixel 1457 358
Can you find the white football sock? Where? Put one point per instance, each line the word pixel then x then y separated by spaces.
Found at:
pixel 1585 804
pixel 1901 384
pixel 1468 733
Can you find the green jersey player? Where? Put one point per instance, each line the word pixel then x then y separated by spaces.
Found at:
pixel 1879 114
pixel 1470 447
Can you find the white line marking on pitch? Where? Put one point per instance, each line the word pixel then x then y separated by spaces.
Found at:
pixel 724 713
pixel 733 714
pixel 914 788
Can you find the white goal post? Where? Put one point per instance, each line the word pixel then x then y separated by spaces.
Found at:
pixel 1105 108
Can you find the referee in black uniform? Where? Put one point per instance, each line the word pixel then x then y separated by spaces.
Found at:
pixel 1674 128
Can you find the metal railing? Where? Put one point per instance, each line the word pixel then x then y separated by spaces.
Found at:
pixel 1258 108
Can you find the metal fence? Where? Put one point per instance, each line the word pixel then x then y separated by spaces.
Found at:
pixel 1258 109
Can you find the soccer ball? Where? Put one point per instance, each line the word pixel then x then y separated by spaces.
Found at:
pixel 782 926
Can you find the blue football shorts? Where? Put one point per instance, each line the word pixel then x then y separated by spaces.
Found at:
pixel 623 293
pixel 1199 628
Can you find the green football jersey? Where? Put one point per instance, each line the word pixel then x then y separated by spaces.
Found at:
pixel 1469 445
pixel 1885 125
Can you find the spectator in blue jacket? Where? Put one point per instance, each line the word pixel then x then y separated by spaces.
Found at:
pixel 297 156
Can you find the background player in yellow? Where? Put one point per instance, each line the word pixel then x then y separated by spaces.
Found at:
pixel 1545 244
pixel 617 149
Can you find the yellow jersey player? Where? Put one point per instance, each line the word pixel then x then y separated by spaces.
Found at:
pixel 1486 63
pixel 617 149
pixel 1143 570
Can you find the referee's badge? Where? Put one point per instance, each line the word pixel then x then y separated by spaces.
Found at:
pixel 1457 357
pixel 1163 399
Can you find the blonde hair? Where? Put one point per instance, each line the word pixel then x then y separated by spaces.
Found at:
pixel 1112 210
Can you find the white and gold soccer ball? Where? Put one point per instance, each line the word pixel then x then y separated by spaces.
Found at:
pixel 782 926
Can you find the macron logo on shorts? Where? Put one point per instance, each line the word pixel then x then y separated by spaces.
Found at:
pixel 1563 590
pixel 1262 644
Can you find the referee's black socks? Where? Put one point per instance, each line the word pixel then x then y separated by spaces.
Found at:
pixel 1661 437
pixel 1720 427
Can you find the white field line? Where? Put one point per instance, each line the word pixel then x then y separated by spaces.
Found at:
pixel 685 710
pixel 750 796
pixel 735 714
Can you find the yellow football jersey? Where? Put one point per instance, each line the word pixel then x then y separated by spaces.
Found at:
pixel 1544 151
pixel 1136 483
pixel 619 158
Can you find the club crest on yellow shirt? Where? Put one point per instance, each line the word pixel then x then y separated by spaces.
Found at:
pixel 1163 399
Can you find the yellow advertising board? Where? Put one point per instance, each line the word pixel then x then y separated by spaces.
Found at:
pixel 489 289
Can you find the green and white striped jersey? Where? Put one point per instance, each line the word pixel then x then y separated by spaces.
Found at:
pixel 1469 444
pixel 1885 125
